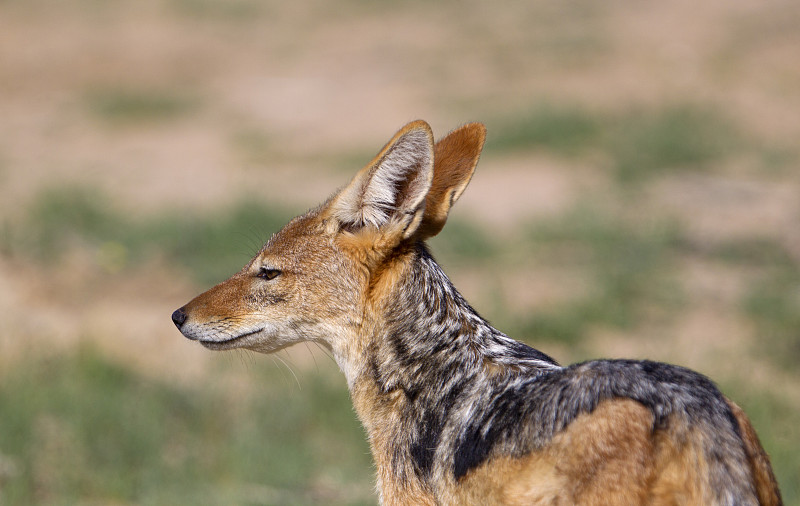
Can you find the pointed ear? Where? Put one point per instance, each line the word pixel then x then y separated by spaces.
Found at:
pixel 455 157
pixel 390 191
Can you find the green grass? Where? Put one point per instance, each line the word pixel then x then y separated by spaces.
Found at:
pixel 629 266
pixel 773 305
pixel 210 246
pixel 67 215
pixel 77 428
pixel 463 244
pixel 254 146
pixel 220 10
pixel 636 144
pixel 563 129
pixel 753 253
pixel 771 301
pixel 132 106
pixel 682 137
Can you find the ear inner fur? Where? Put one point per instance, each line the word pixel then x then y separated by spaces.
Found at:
pixel 393 186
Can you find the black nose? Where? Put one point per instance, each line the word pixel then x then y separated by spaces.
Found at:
pixel 179 317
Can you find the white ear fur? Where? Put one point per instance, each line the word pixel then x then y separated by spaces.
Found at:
pixel 393 187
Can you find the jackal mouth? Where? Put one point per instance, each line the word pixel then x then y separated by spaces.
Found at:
pixel 230 343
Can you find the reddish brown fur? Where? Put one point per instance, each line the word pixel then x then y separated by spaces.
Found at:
pixel 766 484
pixel 455 158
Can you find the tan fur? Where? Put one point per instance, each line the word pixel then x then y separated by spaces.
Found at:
pixel 613 464
pixel 678 452
pixel 610 456
pixel 376 416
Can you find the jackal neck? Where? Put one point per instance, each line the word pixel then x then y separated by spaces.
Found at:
pixel 427 327
pixel 428 354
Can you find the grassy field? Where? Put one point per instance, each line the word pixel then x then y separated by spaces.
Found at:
pixel 80 429
pixel 637 197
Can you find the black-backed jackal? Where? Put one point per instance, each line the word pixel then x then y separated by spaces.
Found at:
pixel 457 412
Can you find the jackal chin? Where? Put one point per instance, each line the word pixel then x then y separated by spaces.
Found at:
pixel 243 340
pixel 261 338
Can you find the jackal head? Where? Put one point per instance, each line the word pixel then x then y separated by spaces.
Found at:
pixel 318 278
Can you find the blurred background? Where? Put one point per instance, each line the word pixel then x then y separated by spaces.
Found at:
pixel 639 196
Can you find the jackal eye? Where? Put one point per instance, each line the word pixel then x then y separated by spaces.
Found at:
pixel 267 273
